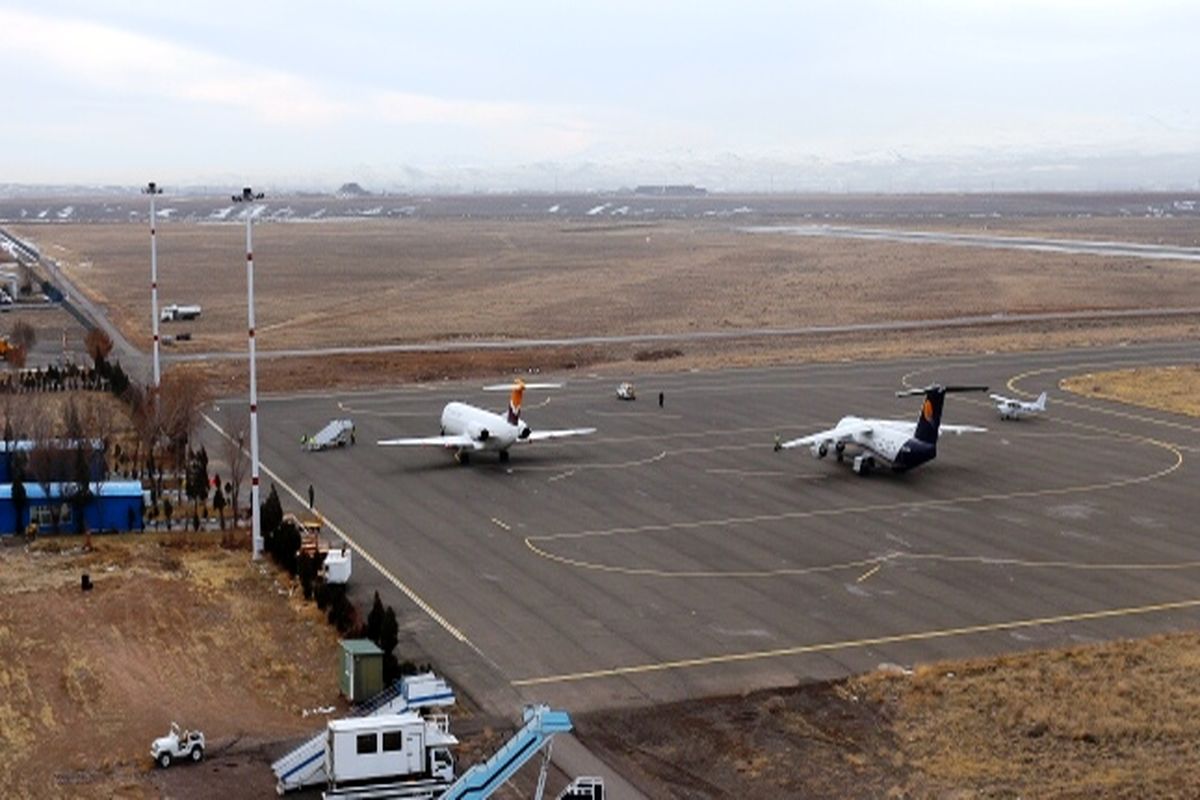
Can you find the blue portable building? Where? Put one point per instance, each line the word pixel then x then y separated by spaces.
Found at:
pixel 112 506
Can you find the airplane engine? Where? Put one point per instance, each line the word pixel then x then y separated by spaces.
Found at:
pixel 820 450
pixel 525 431
pixel 482 434
pixel 840 447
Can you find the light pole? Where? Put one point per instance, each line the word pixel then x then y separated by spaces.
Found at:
pixel 154 190
pixel 248 196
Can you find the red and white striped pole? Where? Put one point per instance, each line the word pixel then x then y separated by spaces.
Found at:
pixel 153 190
pixel 248 196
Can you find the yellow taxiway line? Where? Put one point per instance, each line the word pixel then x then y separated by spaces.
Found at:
pixel 850 644
pixel 384 571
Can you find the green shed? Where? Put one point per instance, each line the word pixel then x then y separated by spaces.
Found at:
pixel 362 669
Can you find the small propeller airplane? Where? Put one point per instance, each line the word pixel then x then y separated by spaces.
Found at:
pixel 467 429
pixel 1011 408
pixel 897 444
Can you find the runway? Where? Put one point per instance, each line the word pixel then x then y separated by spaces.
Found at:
pixel 675 555
pixel 1155 252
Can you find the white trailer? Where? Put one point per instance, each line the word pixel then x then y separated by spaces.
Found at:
pixel 174 312
pixel 387 749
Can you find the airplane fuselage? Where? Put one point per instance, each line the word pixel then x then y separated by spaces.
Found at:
pixel 889 441
pixel 489 430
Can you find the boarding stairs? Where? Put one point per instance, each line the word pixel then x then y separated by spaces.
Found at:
pixel 305 765
pixel 586 788
pixel 541 724
pixel 338 433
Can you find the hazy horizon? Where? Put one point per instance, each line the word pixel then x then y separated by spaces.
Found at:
pixel 763 97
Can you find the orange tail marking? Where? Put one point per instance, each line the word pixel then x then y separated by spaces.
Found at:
pixel 518 394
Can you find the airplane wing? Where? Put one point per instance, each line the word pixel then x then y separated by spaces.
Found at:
pixel 961 429
pixel 541 436
pixel 842 433
pixel 999 398
pixel 459 441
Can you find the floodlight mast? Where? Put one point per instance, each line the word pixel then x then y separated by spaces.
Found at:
pixel 154 190
pixel 248 196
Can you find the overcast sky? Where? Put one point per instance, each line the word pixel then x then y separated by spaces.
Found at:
pixel 310 94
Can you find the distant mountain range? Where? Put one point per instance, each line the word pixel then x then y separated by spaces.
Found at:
pixel 884 172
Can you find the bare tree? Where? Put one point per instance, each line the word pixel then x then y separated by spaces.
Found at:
pixel 15 356
pixel 23 335
pixel 143 418
pixel 46 459
pixel 100 424
pixel 98 345
pixel 235 421
pixel 79 453
pixel 181 396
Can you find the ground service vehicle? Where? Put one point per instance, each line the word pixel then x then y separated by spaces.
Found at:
pixel 176 745
pixel 173 313
pixel 388 748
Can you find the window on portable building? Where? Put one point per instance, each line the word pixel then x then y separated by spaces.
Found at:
pixel 367 743
pixel 393 741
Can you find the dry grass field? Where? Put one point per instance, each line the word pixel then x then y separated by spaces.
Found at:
pixel 176 628
pixel 389 281
pixel 1120 719
pixel 1175 389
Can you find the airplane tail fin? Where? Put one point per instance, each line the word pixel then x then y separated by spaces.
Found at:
pixel 517 394
pixel 514 402
pixel 1040 403
pixel 931 415
pixel 931 410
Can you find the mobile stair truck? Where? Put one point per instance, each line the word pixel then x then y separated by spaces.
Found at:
pixel 338 433
pixel 305 765
pixel 541 724
pixel 367 776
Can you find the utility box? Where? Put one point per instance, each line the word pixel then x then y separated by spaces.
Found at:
pixel 362 669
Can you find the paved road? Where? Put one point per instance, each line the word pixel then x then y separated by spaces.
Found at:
pixel 135 363
pixel 1035 244
pixel 674 555
pixel 696 336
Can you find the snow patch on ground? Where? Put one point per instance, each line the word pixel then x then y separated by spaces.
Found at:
pixel 598 209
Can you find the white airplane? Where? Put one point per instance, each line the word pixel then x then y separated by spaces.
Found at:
pixel 897 444
pixel 467 429
pixel 1011 408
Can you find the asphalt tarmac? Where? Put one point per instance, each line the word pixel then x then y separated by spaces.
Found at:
pixel 674 555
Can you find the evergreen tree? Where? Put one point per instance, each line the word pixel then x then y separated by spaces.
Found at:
pixel 271 512
pixel 219 504
pixel 375 620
